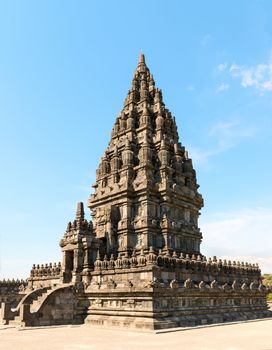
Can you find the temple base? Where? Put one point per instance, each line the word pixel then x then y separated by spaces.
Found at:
pixel 148 297
pixel 125 300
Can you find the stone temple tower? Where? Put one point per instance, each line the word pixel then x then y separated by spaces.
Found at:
pixel 146 193
pixel 137 264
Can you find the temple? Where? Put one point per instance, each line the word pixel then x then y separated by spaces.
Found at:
pixel 137 264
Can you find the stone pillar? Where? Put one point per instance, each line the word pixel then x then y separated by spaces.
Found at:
pixel 109 237
pixel 24 314
pixel 5 314
pixel 76 271
pixel 124 211
pixel 86 267
pixel 63 267
pixel 144 208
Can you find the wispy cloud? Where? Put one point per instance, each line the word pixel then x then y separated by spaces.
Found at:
pixel 190 88
pixel 229 133
pixel 224 135
pixel 222 87
pixel 222 67
pixel 240 235
pixel 258 76
pixel 199 155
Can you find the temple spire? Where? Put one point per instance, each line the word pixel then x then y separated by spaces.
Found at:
pixel 80 211
pixel 141 67
pixel 128 205
pixel 141 58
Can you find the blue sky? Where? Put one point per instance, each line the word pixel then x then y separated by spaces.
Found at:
pixel 65 68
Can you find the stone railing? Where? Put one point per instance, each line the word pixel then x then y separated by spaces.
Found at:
pixel 12 291
pixel 12 286
pixel 191 265
pixel 50 270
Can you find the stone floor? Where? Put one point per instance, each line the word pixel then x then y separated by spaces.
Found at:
pixel 251 335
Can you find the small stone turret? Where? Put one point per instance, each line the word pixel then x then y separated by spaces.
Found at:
pixel 79 246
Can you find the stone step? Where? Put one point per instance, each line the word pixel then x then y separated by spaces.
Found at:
pixel 36 303
pixel 17 322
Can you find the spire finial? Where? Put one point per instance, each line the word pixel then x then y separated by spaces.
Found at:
pixel 141 58
pixel 80 211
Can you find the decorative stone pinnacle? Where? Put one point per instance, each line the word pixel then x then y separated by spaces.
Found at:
pixel 141 58
pixel 80 211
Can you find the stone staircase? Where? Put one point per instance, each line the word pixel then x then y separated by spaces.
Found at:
pixel 35 309
pixel 37 302
pixel 29 304
pixel 17 321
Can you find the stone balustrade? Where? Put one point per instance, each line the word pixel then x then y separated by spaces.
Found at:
pixel 190 265
pixel 12 291
pixel 11 285
pixel 167 259
pixel 46 270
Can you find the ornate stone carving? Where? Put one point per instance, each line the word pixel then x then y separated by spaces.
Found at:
pixel 174 284
pixel 214 285
pixel 111 284
pixel 202 285
pixel 188 284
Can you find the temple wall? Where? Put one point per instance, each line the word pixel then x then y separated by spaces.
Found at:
pixel 140 300
pixel 12 291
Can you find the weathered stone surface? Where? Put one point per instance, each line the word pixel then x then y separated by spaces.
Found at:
pixel 138 263
pixel 12 291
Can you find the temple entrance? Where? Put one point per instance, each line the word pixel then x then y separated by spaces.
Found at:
pixel 69 265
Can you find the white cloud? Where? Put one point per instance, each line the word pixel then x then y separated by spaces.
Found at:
pixel 224 135
pixel 228 134
pixel 243 235
pixel 259 76
pixel 201 156
pixel 234 69
pixel 222 67
pixel 222 87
